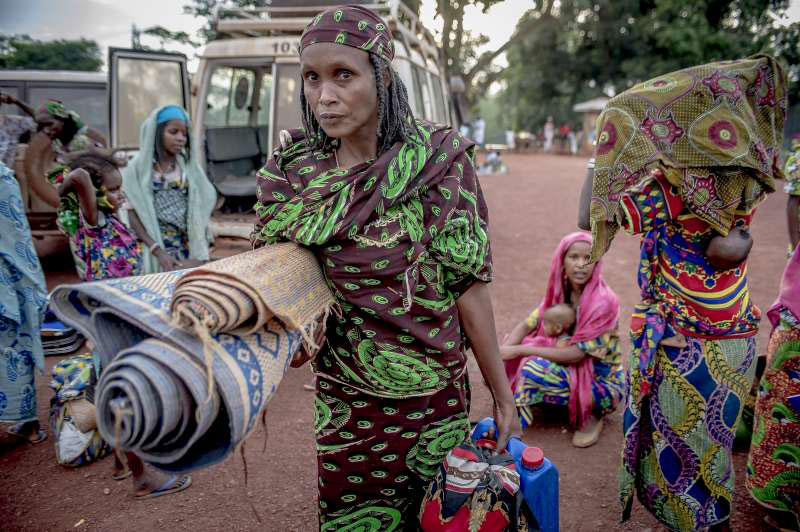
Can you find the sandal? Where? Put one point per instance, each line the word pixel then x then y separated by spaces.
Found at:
pixel 122 475
pixel 170 486
pixel 583 439
pixel 39 437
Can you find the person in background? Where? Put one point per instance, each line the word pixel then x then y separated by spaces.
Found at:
pixel 479 131
pixel 57 131
pixel 549 134
pixel 170 199
pixel 792 187
pixel 773 467
pixel 23 298
pixel 12 127
pixel 511 140
pixel 688 179
pixel 392 209
pixel 583 373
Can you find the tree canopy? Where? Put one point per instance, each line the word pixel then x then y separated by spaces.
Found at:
pixel 22 52
pixel 573 50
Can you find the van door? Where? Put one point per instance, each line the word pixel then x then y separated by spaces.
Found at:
pixel 138 82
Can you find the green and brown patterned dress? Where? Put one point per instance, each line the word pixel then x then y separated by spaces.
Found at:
pixel 400 239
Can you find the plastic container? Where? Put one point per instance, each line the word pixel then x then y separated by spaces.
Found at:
pixel 538 477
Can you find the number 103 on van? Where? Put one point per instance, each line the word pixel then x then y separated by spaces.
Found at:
pixel 286 47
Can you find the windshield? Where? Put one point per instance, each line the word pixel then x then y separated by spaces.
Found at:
pixel 144 85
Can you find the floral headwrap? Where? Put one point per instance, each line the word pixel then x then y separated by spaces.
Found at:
pixel 56 109
pixel 715 129
pixel 351 26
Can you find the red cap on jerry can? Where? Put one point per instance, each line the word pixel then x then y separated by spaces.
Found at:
pixel 532 457
pixel 486 443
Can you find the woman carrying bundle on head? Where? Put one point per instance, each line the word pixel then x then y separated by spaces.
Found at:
pixel 170 199
pixel 392 209
pixel 684 160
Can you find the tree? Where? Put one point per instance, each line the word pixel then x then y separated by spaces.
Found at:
pixel 577 49
pixel 460 48
pixel 22 52
pixel 164 35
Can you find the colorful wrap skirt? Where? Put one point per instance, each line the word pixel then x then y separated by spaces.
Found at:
pixel 773 468
pixel 546 382
pixel 375 455
pixel 678 439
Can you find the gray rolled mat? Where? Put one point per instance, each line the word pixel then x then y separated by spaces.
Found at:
pixel 153 397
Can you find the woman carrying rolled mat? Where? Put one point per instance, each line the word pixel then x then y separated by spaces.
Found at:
pixel 393 210
pixel 684 160
pixel 170 198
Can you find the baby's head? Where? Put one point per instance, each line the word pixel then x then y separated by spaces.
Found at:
pixel 558 320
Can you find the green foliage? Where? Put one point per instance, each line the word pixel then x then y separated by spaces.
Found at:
pixel 574 50
pixel 164 36
pixel 460 48
pixel 22 52
pixel 491 109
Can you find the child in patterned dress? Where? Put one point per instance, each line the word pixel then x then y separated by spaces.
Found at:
pixel 103 247
pixel 90 190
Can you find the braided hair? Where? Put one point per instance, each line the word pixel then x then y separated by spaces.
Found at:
pixel 96 162
pixel 395 120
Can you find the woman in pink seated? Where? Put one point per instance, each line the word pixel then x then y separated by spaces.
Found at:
pixel 583 370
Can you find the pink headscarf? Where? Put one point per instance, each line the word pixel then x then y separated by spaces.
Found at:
pixel 789 295
pixel 598 311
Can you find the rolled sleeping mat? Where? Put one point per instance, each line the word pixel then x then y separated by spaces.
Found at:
pixel 177 400
pixel 152 400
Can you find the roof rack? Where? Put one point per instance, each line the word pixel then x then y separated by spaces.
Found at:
pixel 289 18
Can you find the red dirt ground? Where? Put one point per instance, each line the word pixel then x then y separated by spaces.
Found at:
pixel 531 209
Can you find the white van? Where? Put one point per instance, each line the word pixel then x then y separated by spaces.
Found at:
pixel 246 88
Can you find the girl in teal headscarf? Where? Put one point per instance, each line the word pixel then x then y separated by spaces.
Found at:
pixel 170 198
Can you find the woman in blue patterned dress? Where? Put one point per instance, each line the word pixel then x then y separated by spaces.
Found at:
pixel 23 297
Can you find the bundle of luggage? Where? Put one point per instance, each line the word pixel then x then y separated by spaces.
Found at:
pixel 58 338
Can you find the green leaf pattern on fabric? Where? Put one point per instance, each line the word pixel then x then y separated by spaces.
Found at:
pixel 399 239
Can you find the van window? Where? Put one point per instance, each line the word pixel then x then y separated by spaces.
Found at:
pixel 10 109
pixel 265 99
pixel 89 102
pixel 230 93
pixel 424 96
pixel 142 85
pixel 287 99
pixel 438 98
pixel 403 68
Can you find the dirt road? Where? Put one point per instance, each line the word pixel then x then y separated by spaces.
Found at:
pixel 531 209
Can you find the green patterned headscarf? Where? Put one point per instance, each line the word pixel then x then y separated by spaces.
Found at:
pixel 353 26
pixel 56 109
pixel 715 129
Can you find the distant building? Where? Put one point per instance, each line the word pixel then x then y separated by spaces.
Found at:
pixel 590 110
